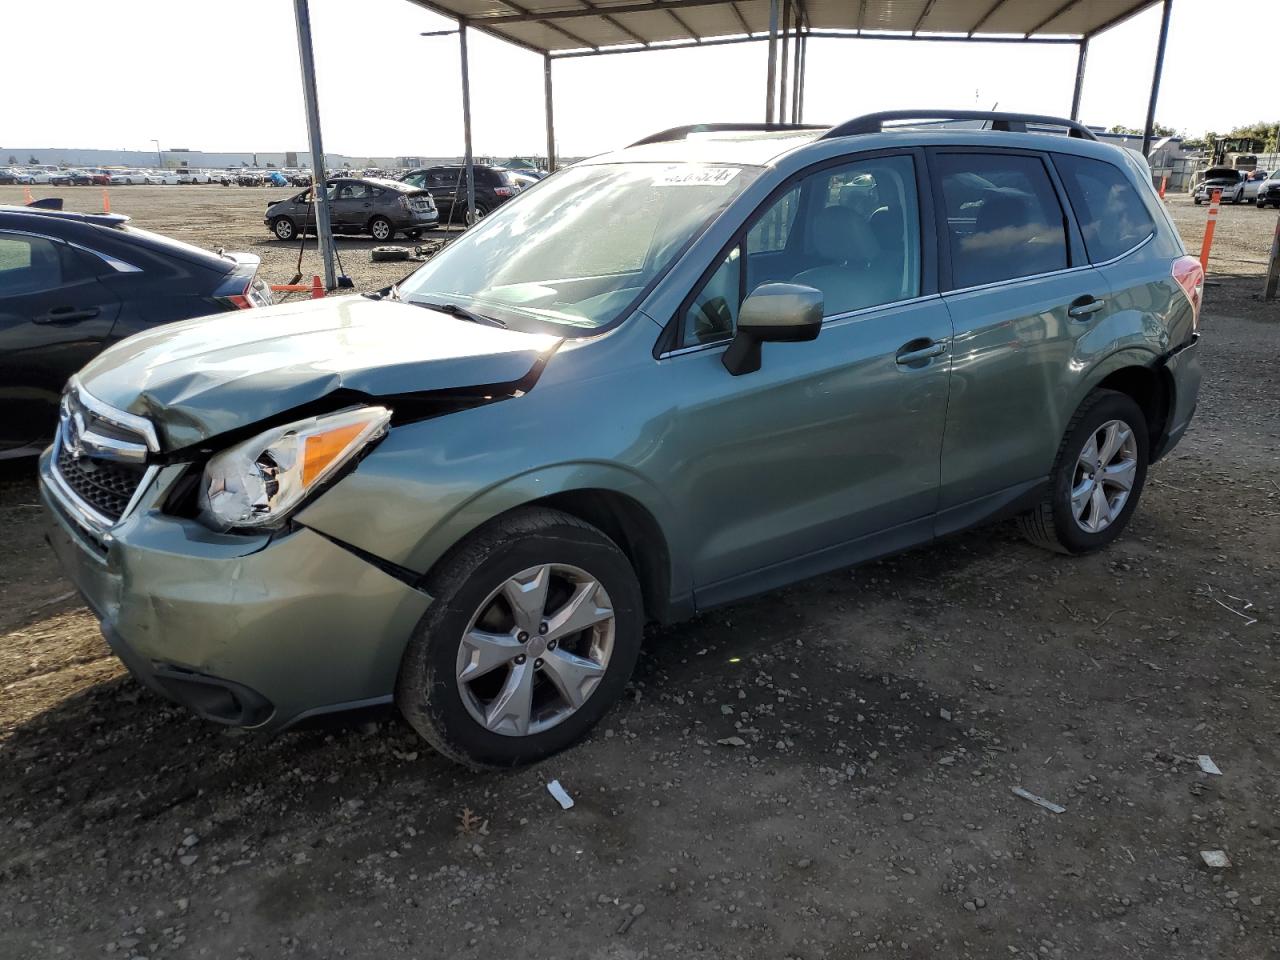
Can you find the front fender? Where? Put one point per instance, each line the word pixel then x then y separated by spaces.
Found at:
pixel 394 510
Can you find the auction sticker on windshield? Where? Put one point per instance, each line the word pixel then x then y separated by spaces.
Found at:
pixel 696 176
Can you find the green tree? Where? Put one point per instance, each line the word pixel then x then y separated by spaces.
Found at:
pixel 1264 131
pixel 1160 130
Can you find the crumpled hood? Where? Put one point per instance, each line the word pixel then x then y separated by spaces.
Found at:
pixel 205 377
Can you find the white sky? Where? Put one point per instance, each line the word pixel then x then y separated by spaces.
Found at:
pixel 223 75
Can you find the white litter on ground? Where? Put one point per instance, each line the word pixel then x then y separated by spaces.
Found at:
pixel 1039 801
pixel 561 795
pixel 1217 859
pixel 1207 765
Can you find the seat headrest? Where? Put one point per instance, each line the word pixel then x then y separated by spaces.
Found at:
pixel 840 234
pixel 1003 211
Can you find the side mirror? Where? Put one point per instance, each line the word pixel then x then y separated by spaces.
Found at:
pixel 774 313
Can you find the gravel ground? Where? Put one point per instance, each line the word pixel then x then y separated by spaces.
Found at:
pixel 824 771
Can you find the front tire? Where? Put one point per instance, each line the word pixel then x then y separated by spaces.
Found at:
pixel 283 228
pixel 1097 477
pixel 533 635
pixel 380 229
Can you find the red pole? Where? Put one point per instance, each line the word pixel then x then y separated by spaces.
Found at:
pixel 1164 183
pixel 1208 230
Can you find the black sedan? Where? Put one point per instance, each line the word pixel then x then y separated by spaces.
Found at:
pixel 73 283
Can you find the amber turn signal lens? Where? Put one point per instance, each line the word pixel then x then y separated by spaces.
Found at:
pixel 323 448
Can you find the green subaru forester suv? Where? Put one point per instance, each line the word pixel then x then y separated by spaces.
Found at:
pixel 721 360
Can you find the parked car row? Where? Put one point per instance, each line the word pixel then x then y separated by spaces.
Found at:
pixel 1237 186
pixel 381 208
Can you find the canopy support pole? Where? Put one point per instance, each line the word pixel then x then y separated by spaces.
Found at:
pixel 786 30
pixel 795 72
pixel 1148 132
pixel 1079 88
pixel 468 159
pixel 550 111
pixel 771 89
pixel 324 231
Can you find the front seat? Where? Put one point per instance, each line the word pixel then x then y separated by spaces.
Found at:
pixel 843 238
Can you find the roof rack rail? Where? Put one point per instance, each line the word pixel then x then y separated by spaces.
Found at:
pixel 1007 122
pixel 681 133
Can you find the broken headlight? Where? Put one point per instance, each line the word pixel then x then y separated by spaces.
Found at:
pixel 258 482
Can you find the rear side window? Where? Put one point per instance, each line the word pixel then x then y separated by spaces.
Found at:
pixel 1111 215
pixel 1003 217
pixel 27 265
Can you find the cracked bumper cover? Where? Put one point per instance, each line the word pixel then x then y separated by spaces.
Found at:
pixel 257 631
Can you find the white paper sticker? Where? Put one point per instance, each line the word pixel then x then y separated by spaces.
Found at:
pixel 691 175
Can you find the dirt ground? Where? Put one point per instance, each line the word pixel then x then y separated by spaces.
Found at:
pixel 883 715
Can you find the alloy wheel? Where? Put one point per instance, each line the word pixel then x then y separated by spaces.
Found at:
pixel 1105 470
pixel 535 650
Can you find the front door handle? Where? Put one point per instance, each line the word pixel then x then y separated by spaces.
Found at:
pixel 67 315
pixel 919 351
pixel 1085 306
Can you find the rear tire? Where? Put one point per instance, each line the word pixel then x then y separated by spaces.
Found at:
pixel 380 229
pixel 464 698
pixel 1080 514
pixel 283 228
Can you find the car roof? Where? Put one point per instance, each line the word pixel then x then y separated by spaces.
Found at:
pixel 775 145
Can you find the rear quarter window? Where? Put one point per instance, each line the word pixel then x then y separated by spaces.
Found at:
pixel 1112 217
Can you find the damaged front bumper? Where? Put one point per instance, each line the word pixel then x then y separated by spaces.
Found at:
pixel 257 630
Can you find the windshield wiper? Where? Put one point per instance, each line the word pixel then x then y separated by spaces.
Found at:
pixel 390 293
pixel 460 312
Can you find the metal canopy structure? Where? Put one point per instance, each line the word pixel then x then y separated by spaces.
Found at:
pixel 559 29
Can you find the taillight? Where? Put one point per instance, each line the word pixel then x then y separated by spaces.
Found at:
pixel 502 191
pixel 404 202
pixel 1190 276
pixel 256 294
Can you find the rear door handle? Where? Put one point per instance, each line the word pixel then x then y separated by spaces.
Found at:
pixel 1085 306
pixel 67 315
pixel 916 352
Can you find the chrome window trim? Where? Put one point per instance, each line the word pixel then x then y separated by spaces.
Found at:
pixel 139 425
pixel 1134 249
pixel 115 263
pixel 94 522
pixel 835 317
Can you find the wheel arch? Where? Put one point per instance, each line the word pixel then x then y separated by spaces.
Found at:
pixel 1146 382
pixel 622 517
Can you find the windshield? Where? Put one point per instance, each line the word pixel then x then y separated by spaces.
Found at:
pixel 581 247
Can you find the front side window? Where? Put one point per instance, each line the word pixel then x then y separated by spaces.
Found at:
pixel 27 265
pixel 852 232
pixel 1003 217
pixel 1111 215
pixel 579 250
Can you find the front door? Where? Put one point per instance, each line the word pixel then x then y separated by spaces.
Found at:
pixel 54 318
pixel 829 452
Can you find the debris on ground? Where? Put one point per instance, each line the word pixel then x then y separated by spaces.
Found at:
pixel 1216 859
pixel 1207 765
pixel 561 795
pixel 1038 801
pixel 731 742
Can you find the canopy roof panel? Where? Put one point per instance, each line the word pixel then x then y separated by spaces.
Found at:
pixel 560 26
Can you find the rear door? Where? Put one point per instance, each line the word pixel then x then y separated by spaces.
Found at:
pixel 1021 293
pixel 55 316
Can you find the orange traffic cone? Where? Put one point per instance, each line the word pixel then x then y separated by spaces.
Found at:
pixel 106 201
pixel 317 287
pixel 26 195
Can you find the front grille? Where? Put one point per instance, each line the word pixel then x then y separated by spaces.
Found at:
pixel 100 458
pixel 105 486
